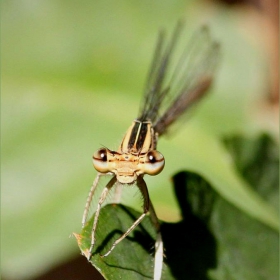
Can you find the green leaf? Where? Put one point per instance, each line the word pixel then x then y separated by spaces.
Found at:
pixel 249 249
pixel 215 240
pixel 132 258
pixel 257 161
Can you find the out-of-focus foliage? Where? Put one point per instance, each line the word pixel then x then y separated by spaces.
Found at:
pixel 72 76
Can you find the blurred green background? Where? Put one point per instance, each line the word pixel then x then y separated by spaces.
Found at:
pixel 72 79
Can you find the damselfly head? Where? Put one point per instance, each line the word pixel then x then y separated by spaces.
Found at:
pixel 126 166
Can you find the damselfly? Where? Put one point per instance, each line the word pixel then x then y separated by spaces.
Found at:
pixel 172 87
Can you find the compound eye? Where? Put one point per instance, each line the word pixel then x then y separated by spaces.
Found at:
pixel 100 161
pixel 154 163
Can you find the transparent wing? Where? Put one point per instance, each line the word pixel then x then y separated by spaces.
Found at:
pixel 154 91
pixel 174 82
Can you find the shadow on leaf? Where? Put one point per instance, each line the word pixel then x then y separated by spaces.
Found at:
pixel 190 247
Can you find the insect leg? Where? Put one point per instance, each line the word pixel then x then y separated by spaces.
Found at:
pixel 143 188
pixel 101 200
pixel 89 198
pixel 158 245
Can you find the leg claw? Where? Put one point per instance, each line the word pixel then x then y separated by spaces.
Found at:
pixel 90 252
pixel 89 256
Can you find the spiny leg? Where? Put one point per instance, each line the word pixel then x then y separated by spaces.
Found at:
pixel 89 198
pixel 143 188
pixel 101 200
pixel 135 224
pixel 158 245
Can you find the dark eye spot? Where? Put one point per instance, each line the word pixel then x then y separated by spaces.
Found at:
pixel 151 158
pixel 103 155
